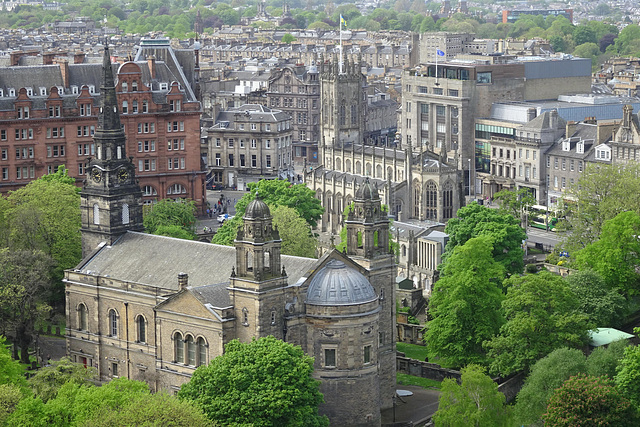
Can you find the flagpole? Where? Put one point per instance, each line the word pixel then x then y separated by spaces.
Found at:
pixel 437 66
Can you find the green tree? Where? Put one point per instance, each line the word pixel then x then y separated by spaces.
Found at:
pixel 11 371
pixel 515 203
pixel 264 382
pixel 168 214
pixel 542 314
pixel 604 306
pixel 601 193
pixel 616 254
pixel 25 283
pixel 465 305
pixel 584 34
pixel 48 380
pixel 604 361
pixel 474 220
pixel 628 376
pixel 288 38
pixel 295 233
pixel 584 401
pixel 475 402
pixel 10 396
pixel 547 374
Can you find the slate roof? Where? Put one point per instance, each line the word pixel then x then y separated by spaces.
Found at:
pixel 217 295
pixel 156 261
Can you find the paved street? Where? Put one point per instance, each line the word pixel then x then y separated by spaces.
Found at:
pixel 548 238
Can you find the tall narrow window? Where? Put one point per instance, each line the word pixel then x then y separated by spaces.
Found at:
pixel 202 351
pixel 367 354
pixel 96 214
pixel 113 323
pixel 125 213
pixel 191 351
pixel 82 317
pixel 142 329
pixel 178 344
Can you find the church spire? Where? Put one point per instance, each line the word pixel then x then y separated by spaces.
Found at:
pixel 108 119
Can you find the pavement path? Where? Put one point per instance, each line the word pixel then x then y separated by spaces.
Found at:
pixel 415 409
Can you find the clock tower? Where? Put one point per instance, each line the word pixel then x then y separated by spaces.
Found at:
pixel 111 200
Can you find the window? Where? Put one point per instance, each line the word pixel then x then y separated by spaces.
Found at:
pixel 555 163
pixel 5 154
pixel 217 159
pixel 178 345
pixel 484 77
pixel 80 168
pixel 242 160
pixel 329 357
pixel 3 134
pixel 564 164
pixel 174 105
pixel 134 86
pixel 125 107
pixel 134 107
pixel 191 351
pixel 268 160
pixel 202 351
pixel 253 143
pixel 176 189
pixel 125 213
pixel 254 161
pixel 230 159
pixel 23 112
pixel 145 106
pixel 85 109
pixel 437 91
pixel 125 86
pixel 113 323
pixel 54 111
pixel 142 329
pixel 82 317
pixel 564 182
pixel 230 141
pixel 96 214
pixel 367 354
pixel 571 165
pixel 440 110
pixel 267 143
pixel 114 369
pixel 148 190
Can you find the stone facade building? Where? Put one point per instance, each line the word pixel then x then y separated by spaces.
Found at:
pixel 249 143
pixel 153 308
pixel 48 118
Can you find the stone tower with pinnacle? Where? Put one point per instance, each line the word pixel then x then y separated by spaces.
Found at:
pixel 111 200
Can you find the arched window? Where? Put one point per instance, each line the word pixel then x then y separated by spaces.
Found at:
pixel 379 171
pixel 368 169
pixel 176 189
pixel 347 165
pixel 134 106
pixel 447 201
pixel 125 87
pixel 178 345
pixel 82 317
pixel 202 351
pixel 148 190
pixel 431 200
pixel 113 323
pixel 125 213
pixel 119 152
pixel 245 316
pixel 134 86
pixel 191 351
pixel 342 119
pixel 358 167
pixel 354 113
pixel 96 214
pixel 125 107
pixel 142 329
pixel 145 106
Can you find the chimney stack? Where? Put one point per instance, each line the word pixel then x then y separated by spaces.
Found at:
pixel 64 71
pixel 183 281
pixel 571 128
pixel 78 58
pixel 47 58
pixel 151 61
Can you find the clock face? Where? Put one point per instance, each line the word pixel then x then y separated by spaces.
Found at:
pixel 96 175
pixel 123 175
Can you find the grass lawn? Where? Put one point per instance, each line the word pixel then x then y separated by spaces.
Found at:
pixel 413 351
pixel 404 379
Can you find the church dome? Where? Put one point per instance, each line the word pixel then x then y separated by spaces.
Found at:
pixel 257 209
pixel 367 191
pixel 337 284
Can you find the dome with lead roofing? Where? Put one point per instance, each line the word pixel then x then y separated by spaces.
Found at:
pixel 257 209
pixel 367 191
pixel 337 284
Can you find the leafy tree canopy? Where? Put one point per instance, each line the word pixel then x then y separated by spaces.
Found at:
pixel 264 382
pixel 546 376
pixel 295 233
pixel 474 220
pixel 604 306
pixel 589 401
pixel 11 371
pixel 515 202
pixel 604 361
pixel 628 376
pixel 48 380
pixel 542 314
pixel 163 217
pixel 465 305
pixel 475 402
pixel 616 254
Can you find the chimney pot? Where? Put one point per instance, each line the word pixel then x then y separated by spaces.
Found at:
pixel 183 280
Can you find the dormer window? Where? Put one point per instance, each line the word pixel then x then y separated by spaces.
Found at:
pixel 43 91
pixel 92 89
pixel 164 86
pixel 566 145
pixel 74 90
pixel 29 91
pixel 23 112
pixel 12 92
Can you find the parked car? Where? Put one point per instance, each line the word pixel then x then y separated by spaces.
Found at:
pixel 224 217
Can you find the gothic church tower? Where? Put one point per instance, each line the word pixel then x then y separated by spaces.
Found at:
pixel 111 200
pixel 343 106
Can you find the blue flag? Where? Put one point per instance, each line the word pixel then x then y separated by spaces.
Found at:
pixel 439 52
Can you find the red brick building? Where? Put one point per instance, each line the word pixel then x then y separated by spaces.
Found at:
pixel 48 115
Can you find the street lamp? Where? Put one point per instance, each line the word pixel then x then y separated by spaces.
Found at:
pixel 469 160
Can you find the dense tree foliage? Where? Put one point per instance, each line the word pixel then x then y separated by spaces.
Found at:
pixel 546 376
pixel 169 217
pixel 295 233
pixel 476 402
pixel 605 307
pixel 264 382
pixel 628 375
pixel 465 305
pixel 516 203
pixel 49 379
pixel 11 371
pixel 616 254
pixel 542 314
pixel 604 361
pixel 25 283
pixel 474 220
pixel 585 401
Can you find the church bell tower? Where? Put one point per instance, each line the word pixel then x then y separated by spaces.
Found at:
pixel 110 200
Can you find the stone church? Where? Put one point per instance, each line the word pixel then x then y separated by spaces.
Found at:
pixel 154 308
pixel 413 182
